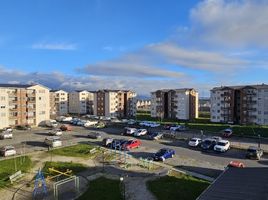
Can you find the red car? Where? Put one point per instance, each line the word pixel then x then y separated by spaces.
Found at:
pixel 131 144
pixel 66 128
pixel 236 164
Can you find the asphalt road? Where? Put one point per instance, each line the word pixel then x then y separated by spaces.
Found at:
pixel 208 163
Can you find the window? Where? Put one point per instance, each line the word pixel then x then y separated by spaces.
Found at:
pixel 40 98
pixel 3 98
pixel 2 106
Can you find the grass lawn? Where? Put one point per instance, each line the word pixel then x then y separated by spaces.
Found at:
pixel 177 187
pixel 79 150
pixel 104 189
pixel 63 166
pixel 7 168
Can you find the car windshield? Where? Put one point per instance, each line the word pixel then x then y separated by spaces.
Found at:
pixel 221 143
pixel 9 148
pixel 193 140
pixel 162 151
pixel 207 142
pixel 252 150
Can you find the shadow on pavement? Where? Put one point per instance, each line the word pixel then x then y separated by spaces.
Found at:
pixel 36 143
pixel 201 170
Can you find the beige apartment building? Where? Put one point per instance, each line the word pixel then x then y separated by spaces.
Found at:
pixel 81 102
pixel 175 104
pixel 115 103
pixel 58 103
pixel 143 105
pixel 23 104
pixel 246 104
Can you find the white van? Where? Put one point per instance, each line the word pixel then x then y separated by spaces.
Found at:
pixel 53 141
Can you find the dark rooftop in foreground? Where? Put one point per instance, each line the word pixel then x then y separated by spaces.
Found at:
pixel 239 184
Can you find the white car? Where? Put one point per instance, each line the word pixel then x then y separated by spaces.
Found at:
pixel 6 135
pixel 8 151
pixel 194 142
pixel 8 129
pixel 222 146
pixel 53 141
pixel 140 132
pixel 153 124
pixel 90 123
pixel 130 131
pixel 56 132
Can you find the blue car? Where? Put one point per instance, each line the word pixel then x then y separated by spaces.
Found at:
pixel 164 154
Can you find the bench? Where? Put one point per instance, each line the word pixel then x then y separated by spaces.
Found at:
pixel 15 176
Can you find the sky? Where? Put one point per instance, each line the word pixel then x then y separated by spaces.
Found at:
pixel 141 45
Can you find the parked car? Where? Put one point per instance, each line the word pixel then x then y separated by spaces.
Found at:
pixel 94 135
pixel 117 144
pixel 168 126
pixel 222 146
pixel 100 125
pixel 164 154
pixel 194 142
pixel 130 131
pixel 131 122
pixel 254 153
pixel 8 151
pixel 208 143
pixel 178 128
pixel 9 129
pixel 23 127
pixel 107 142
pixel 6 135
pixel 217 138
pixel 236 164
pixel 140 132
pixel 156 136
pixel 56 132
pixel 53 141
pixel 227 132
pixel 90 123
pixel 131 144
pixel 66 127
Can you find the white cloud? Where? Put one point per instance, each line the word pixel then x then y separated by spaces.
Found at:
pixel 54 46
pixel 231 23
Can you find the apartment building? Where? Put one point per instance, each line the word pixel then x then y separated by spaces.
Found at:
pixel 143 105
pixel 246 104
pixel 115 103
pixel 81 102
pixel 23 104
pixel 175 104
pixel 58 103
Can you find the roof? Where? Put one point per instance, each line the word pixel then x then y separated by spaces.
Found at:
pixel 177 90
pixel 239 184
pixel 260 86
pixel 15 85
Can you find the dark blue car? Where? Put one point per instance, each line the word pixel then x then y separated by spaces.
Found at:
pixel 164 154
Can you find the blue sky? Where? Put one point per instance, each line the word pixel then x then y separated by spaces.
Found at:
pixel 139 45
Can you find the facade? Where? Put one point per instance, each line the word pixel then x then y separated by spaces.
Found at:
pixel 240 104
pixel 58 103
pixel 115 103
pixel 143 105
pixel 81 102
pixel 23 104
pixel 175 104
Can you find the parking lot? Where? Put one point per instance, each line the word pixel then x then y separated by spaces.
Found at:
pixel 193 159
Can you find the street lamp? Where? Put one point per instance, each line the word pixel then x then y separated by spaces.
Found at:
pixel 259 142
pixel 122 185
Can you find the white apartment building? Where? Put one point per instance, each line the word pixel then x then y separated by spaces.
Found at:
pixel 247 104
pixel 23 104
pixel 115 103
pixel 175 104
pixel 81 102
pixel 58 103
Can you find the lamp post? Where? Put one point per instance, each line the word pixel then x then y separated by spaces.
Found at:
pixel 122 186
pixel 259 142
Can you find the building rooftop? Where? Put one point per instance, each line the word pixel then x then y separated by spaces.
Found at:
pixel 239 184
pixel 260 86
pixel 15 85
pixel 180 89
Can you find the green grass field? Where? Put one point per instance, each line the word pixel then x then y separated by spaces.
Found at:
pixel 177 186
pixel 104 189
pixel 7 168
pixel 63 166
pixel 79 150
